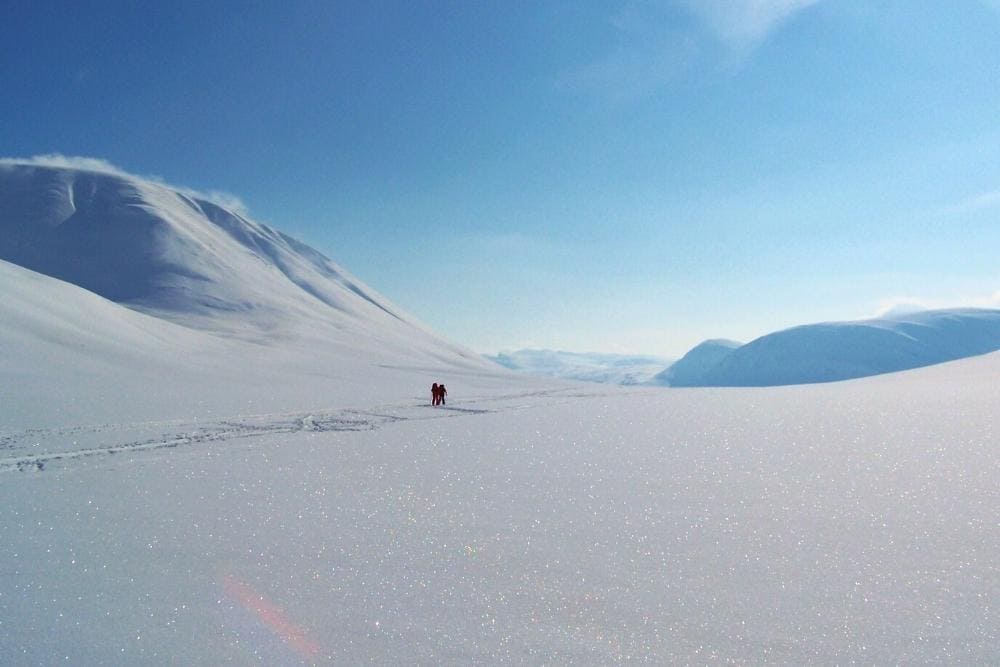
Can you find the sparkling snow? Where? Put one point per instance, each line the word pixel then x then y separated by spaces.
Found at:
pixel 832 523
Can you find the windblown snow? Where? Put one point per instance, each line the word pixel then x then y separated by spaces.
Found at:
pixel 228 457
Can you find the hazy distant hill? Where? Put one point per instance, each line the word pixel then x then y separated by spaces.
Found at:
pixel 590 367
pixel 689 369
pixel 834 351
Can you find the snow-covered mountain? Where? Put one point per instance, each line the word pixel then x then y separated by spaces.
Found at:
pixel 833 351
pixel 121 279
pixel 188 260
pixel 688 370
pixel 589 367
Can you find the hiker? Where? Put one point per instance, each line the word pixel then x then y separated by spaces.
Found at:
pixel 442 392
pixel 434 394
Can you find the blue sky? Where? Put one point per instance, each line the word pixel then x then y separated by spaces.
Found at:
pixel 620 177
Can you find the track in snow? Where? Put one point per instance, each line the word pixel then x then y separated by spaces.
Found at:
pixel 34 449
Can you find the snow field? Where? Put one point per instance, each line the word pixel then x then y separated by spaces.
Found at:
pixel 846 522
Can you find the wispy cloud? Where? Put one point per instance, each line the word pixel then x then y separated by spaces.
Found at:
pixel 973 204
pixel 654 43
pixel 744 24
pixel 101 166
pixel 642 60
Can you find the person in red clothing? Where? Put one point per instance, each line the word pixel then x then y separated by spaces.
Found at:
pixel 434 394
pixel 442 392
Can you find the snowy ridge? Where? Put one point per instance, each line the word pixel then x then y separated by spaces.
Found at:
pixel 834 351
pixel 688 370
pixel 190 261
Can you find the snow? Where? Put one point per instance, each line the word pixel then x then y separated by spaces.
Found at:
pixel 76 358
pixel 690 369
pixel 826 523
pixel 833 351
pixel 128 300
pixel 195 481
pixel 189 261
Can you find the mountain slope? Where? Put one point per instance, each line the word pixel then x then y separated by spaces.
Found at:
pixel 123 299
pixel 688 370
pixel 192 262
pixel 835 351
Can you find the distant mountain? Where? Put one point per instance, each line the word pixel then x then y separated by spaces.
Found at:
pixel 689 369
pixel 834 351
pixel 589 367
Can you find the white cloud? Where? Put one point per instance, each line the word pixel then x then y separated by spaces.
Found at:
pixel 980 202
pixel 650 48
pixel 639 65
pixel 743 24
pixel 101 166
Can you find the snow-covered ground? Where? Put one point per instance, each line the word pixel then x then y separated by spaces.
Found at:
pixel 853 521
pixel 216 448
pixel 71 357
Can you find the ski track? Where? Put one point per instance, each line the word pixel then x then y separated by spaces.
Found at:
pixel 175 433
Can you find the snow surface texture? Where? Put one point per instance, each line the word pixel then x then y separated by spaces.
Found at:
pixel 589 367
pixel 818 524
pixel 834 351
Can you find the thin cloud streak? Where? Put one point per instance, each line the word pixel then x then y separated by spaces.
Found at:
pixel 640 65
pixel 980 202
pixel 744 24
pixel 646 55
